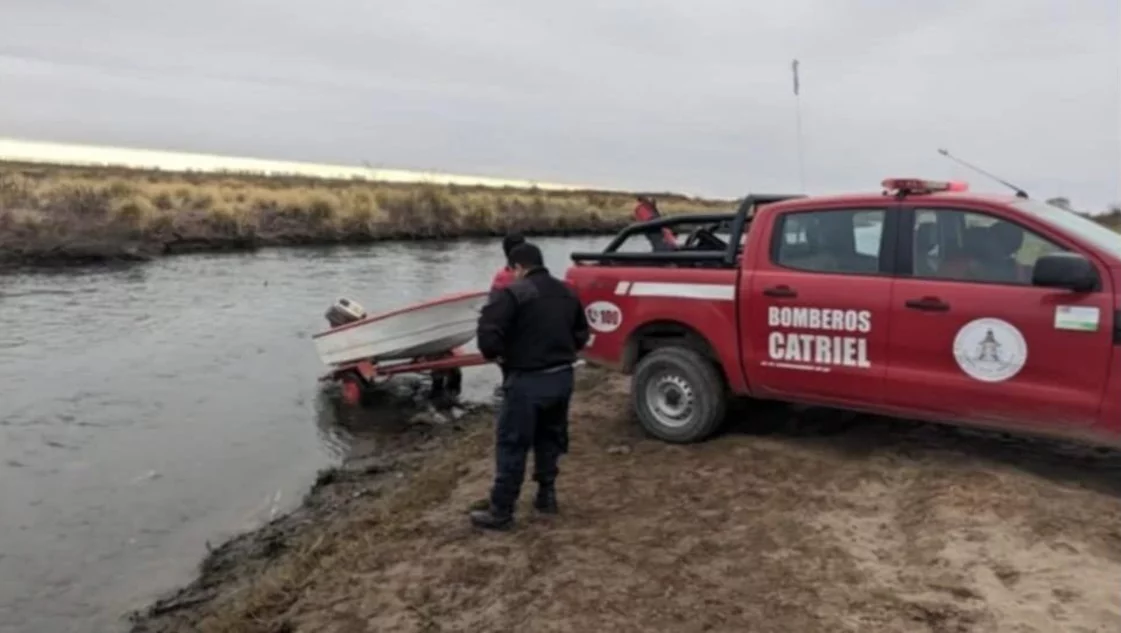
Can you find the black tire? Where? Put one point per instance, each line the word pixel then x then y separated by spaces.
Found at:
pixel 681 370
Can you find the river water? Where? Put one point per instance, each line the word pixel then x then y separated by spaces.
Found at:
pixel 150 409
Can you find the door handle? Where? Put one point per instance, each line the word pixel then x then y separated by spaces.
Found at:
pixel 929 304
pixel 783 292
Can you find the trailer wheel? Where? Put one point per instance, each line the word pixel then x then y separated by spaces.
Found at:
pixel 678 395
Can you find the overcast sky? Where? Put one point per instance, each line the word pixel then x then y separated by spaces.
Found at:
pixel 692 95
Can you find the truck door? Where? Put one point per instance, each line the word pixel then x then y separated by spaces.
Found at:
pixel 815 322
pixel 973 341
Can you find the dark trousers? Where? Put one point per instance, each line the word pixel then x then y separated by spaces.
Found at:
pixel 657 242
pixel 534 415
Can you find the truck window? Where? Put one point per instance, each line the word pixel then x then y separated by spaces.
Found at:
pixel 844 241
pixel 972 246
pixel 1084 229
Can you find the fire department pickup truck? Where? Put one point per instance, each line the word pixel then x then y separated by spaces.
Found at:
pixel 920 301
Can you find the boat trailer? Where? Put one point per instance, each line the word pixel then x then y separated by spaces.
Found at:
pixel 445 370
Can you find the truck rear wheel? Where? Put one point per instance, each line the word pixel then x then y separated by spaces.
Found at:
pixel 678 395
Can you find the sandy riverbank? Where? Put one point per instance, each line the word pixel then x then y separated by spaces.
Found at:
pixel 61 215
pixel 886 526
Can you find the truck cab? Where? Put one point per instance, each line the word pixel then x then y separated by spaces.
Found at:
pixel 921 300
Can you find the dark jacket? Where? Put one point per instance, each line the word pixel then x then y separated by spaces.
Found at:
pixel 534 323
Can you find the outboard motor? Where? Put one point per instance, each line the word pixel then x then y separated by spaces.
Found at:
pixel 344 311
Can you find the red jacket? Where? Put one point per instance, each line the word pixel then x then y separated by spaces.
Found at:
pixel 504 277
pixel 644 211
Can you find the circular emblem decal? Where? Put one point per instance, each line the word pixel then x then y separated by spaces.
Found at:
pixel 990 350
pixel 603 316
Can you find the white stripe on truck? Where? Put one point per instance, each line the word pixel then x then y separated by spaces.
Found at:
pixel 712 292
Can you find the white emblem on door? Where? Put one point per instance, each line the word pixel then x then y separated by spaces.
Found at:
pixel 990 350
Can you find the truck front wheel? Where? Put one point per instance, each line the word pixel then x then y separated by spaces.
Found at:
pixel 678 395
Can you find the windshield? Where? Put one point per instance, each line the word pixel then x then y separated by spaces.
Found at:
pixel 1076 225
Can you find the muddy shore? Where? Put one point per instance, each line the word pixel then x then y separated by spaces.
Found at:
pixel 61 215
pixel 783 523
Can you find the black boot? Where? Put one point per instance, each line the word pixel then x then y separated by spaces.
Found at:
pixel 492 519
pixel 546 500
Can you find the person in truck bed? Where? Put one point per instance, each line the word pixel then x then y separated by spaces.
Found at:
pixel 646 210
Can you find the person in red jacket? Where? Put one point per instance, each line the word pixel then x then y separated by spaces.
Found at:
pixel 504 277
pixel 647 209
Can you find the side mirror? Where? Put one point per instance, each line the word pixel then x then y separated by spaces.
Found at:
pixel 1069 271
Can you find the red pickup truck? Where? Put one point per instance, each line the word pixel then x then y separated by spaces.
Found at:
pixel 919 301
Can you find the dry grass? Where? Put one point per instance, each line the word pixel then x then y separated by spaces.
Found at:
pixel 86 213
pixel 1110 219
pixel 889 527
pixel 65 214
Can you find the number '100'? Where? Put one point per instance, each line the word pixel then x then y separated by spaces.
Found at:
pixel 606 317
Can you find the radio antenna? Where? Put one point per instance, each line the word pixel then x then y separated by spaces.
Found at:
pixel 1020 193
pixel 798 125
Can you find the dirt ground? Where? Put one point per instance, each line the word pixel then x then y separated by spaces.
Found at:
pixel 776 525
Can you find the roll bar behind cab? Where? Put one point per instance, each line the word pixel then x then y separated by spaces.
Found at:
pixel 737 223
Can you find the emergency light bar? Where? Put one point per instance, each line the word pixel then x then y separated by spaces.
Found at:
pixel 918 185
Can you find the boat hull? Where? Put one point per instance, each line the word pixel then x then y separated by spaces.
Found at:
pixel 422 330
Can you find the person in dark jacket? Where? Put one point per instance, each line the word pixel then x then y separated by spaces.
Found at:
pixel 535 327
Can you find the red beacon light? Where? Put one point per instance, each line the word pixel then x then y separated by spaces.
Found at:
pixel 918 185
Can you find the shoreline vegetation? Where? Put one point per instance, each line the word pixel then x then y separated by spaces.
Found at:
pixel 60 214
pixel 882 525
